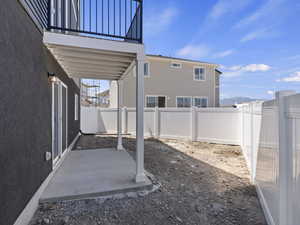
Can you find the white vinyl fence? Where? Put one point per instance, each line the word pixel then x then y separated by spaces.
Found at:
pixel 268 132
pixel 217 125
pixel 271 146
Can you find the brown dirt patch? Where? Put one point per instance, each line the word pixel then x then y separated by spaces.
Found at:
pixel 201 183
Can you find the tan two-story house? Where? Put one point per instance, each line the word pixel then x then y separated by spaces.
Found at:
pixel 172 82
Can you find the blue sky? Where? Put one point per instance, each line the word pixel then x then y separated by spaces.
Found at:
pixel 255 42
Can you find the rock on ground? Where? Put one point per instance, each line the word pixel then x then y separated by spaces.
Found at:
pixel 201 183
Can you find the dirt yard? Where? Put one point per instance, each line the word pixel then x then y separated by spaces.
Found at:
pixel 200 183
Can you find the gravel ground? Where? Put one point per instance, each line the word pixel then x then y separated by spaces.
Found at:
pixel 201 183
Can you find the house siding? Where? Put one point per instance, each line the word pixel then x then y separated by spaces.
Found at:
pixel 170 82
pixel 25 110
pixel 217 96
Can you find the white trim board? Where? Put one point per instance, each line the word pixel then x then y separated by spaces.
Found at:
pixel 68 40
pixel 164 58
pixel 29 210
pixel 60 86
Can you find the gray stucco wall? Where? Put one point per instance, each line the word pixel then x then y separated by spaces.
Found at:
pixel 170 82
pixel 25 109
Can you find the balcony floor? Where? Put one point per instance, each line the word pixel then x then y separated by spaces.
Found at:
pixel 93 173
pixel 93 58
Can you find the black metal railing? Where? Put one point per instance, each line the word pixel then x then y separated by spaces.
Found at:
pixel 39 10
pixel 114 19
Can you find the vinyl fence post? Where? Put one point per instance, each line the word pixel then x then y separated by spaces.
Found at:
pixel 193 123
pixel 285 160
pixel 252 142
pixel 242 126
pixel 156 122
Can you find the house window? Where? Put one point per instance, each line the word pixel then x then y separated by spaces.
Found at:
pixel 200 102
pixel 146 70
pixel 183 102
pixel 199 73
pixel 176 65
pixel 76 107
pixel 156 101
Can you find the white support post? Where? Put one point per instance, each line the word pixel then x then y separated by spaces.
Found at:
pixel 285 160
pixel 120 95
pixel 140 174
pixel 125 120
pixel 193 123
pixel 156 122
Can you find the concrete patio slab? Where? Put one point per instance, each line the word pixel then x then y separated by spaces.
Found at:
pixel 93 173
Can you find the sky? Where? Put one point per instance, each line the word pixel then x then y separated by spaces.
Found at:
pixel 255 42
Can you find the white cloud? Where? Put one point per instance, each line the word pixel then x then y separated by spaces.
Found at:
pixel 253 35
pixel 294 57
pixel 232 73
pixel 295 77
pixel 224 53
pixel 267 11
pixel 256 68
pixel 235 68
pixel 238 70
pixel 220 10
pixel 270 92
pixel 194 51
pixel 222 67
pixel 160 21
pixel 259 34
pixel 225 7
pixel 197 51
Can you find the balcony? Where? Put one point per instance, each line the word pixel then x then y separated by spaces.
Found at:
pixel 109 19
pixel 98 39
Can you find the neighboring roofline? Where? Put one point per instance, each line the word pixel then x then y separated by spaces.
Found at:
pixel 104 93
pixel 219 71
pixel 181 59
pixel 89 86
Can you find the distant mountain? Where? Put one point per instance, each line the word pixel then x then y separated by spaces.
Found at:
pixel 236 100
